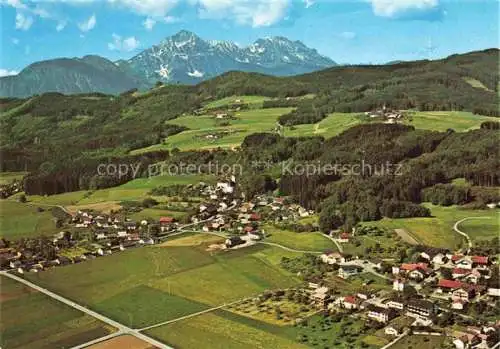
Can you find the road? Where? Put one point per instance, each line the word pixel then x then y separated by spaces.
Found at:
pixel 467 237
pixel 339 247
pixel 287 248
pixel 120 327
pixel 397 339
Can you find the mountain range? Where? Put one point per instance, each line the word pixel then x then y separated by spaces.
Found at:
pixel 182 58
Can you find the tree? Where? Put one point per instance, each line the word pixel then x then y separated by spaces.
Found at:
pixel 22 198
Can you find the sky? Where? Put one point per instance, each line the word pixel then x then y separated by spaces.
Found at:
pixel 347 31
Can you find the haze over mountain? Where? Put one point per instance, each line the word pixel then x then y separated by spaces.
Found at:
pixel 182 58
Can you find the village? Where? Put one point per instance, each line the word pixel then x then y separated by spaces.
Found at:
pixel 437 292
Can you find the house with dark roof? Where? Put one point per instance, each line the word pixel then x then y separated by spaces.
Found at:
pixel 421 308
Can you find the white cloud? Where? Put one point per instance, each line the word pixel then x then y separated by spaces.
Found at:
pixel 348 35
pixel 308 3
pixel 171 19
pixel 15 41
pixel 257 13
pixel 125 45
pixel 6 72
pixel 61 25
pixel 88 24
pixel 151 8
pixel 391 8
pixel 149 23
pixel 23 22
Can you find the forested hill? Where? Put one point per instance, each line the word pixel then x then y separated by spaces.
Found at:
pixel 459 82
pixel 54 129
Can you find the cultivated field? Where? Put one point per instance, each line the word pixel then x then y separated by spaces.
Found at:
pixel 141 287
pixel 438 229
pixel 45 323
pixel 122 342
pixel 211 331
pixel 444 120
pixel 229 132
pixel 314 241
pixel 19 220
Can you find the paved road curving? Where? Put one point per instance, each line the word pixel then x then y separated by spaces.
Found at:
pixel 467 237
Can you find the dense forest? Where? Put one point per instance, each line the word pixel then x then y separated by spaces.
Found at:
pixel 61 138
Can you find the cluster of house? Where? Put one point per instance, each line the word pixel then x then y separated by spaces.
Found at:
pixel 110 234
pixel 389 115
pixel 226 212
pixel 467 284
pixel 458 278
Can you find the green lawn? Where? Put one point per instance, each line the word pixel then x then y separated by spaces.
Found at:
pixel 443 120
pixel 8 177
pixel 331 126
pixel 213 331
pixel 437 121
pixel 161 307
pixel 19 220
pixel 438 229
pixel 230 278
pixel 314 241
pixel 147 285
pixel 32 320
pixel 245 123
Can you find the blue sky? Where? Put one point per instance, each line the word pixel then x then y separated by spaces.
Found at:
pixel 348 31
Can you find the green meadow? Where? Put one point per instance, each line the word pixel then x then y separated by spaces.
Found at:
pixel 223 329
pixel 252 101
pixel 18 220
pixel 438 229
pixel 9 177
pixel 307 241
pixel 230 133
pixel 45 323
pixel 144 286
pixel 444 120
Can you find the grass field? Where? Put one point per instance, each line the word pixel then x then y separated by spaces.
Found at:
pixel 245 123
pixel 144 286
pixel 212 331
pixel 19 220
pixel 223 329
pixel 331 126
pixel 32 320
pixel 314 241
pixel 252 101
pixel 438 229
pixel 8 177
pixel 436 121
pixel 419 342
pixel 444 120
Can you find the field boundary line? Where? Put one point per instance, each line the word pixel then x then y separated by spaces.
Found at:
pixel 124 329
pixel 209 310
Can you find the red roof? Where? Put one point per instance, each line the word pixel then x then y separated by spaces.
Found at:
pixel 248 229
pixel 350 299
pixel 345 236
pixel 449 283
pixel 456 257
pixel 255 217
pixel 480 259
pixel 413 266
pixel 166 219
